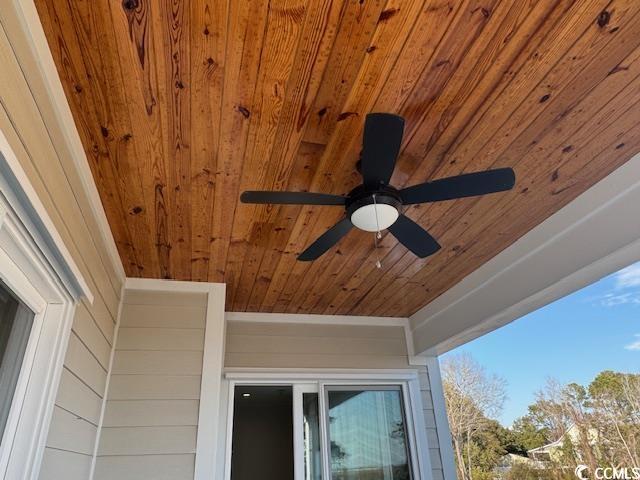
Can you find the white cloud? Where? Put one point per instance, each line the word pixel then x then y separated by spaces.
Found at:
pixel 614 299
pixel 635 345
pixel 626 288
pixel 628 277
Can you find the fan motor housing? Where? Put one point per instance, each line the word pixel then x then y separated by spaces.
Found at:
pixel 361 196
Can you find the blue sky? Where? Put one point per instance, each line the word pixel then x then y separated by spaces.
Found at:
pixel 594 329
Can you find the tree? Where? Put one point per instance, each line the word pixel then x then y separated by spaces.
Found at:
pixel 521 471
pixel 527 435
pixel 488 445
pixel 549 412
pixel 559 407
pixel 605 415
pixel 472 396
pixel 615 405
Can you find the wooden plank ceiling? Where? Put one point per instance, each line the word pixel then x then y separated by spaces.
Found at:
pixel 181 105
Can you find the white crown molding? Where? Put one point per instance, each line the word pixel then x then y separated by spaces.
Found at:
pixel 593 236
pixel 316 319
pixel 161 285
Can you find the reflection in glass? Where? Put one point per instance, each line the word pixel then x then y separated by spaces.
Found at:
pixel 367 435
pixel 15 326
pixel 311 433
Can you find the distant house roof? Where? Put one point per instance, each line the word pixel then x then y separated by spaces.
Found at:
pixel 572 432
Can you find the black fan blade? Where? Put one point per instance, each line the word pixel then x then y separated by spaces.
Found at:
pixel 327 240
pixel 292 198
pixel 381 144
pixel 414 237
pixel 467 185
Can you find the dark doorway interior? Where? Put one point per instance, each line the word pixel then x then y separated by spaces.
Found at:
pixel 262 433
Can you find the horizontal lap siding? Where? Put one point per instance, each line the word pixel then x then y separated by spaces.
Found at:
pixel 287 345
pixel 156 467
pixel 430 424
pixel 151 418
pixel 60 464
pixel 27 121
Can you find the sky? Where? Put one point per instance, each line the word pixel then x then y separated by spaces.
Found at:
pixel 572 340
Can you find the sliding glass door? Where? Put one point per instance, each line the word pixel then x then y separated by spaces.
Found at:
pixel 340 432
pixel 367 434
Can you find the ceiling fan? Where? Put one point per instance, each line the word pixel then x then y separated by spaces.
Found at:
pixel 375 205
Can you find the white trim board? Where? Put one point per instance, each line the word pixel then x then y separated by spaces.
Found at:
pixel 593 236
pixel 160 285
pixel 212 364
pixel 316 319
pixel 272 375
pixel 105 395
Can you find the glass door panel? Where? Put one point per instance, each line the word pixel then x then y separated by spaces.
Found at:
pixel 367 433
pixel 16 321
pixel 307 439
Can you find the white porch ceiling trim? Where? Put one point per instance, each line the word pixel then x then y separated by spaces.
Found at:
pixel 595 235
pixel 314 318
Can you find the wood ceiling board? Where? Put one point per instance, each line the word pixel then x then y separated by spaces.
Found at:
pixel 462 22
pixel 181 105
pixel 411 264
pixel 526 140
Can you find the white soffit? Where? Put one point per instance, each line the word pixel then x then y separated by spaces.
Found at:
pixel 595 235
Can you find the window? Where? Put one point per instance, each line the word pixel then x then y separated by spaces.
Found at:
pixel 15 325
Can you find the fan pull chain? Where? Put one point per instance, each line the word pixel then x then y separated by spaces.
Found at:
pixel 377 235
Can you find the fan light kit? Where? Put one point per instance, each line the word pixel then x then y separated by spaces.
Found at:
pixel 373 217
pixel 375 205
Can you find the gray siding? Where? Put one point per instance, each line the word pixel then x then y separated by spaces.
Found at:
pixel 430 424
pixel 26 119
pixel 287 345
pixel 151 418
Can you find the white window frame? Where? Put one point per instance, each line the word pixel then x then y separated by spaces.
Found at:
pixel 37 268
pixel 316 381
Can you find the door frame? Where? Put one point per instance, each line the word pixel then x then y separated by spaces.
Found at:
pixel 317 380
